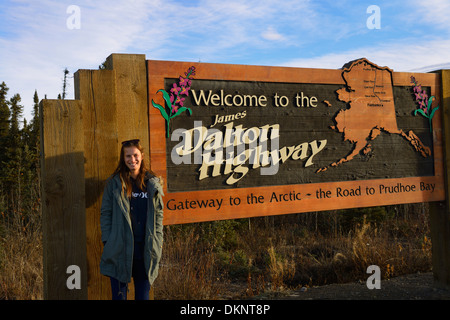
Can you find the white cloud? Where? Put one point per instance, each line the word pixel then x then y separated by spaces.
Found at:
pixel 399 56
pixel 435 12
pixel 212 31
pixel 272 35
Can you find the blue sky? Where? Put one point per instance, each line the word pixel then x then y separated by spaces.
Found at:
pixel 36 44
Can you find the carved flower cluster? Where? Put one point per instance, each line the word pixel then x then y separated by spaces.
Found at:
pixel 421 95
pixel 181 89
pixel 175 100
pixel 424 102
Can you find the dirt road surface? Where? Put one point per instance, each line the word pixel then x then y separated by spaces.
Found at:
pixel 419 286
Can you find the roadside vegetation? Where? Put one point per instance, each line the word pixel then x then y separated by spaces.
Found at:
pixel 264 256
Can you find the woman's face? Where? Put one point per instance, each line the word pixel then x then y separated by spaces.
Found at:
pixel 133 158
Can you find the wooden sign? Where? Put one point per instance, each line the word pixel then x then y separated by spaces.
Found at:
pixel 234 141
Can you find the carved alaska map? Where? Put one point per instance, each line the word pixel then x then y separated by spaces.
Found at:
pixel 369 93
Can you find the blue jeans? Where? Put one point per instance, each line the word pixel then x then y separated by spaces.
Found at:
pixel 141 284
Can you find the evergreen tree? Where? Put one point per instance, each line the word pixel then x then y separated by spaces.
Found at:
pixel 4 132
pixel 19 163
pixel 14 166
pixel 35 127
pixel 4 112
pixel 4 121
pixel 16 110
pixel 66 72
pixel 34 155
pixel 35 122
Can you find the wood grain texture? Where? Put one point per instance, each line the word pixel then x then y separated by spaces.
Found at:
pixel 440 211
pixel 63 197
pixel 115 109
pixel 131 98
pixel 96 89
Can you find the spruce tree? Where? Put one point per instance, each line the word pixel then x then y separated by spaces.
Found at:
pixel 34 157
pixel 19 162
pixel 35 127
pixel 66 72
pixel 4 120
pixel 16 110
pixel 4 132
pixel 4 110
pixel 15 152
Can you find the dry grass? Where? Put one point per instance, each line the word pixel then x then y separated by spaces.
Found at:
pixel 236 259
pixel 21 251
pixel 188 269
pixel 272 254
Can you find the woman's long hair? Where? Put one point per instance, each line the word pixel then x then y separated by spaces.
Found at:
pixel 124 173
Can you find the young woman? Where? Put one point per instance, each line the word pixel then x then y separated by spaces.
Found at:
pixel 131 223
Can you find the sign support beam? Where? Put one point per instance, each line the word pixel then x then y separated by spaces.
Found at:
pixel 440 211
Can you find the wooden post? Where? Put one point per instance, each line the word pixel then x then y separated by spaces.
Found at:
pixel 114 109
pixel 63 199
pixel 440 211
pixel 96 90
pixel 131 98
pixel 131 105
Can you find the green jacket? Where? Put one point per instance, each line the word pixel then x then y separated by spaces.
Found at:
pixel 115 223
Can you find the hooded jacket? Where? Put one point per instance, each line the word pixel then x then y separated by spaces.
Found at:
pixel 117 234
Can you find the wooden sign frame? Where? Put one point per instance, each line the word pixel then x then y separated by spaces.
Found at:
pixel 252 202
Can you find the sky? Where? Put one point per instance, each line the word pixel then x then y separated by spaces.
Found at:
pixel 39 39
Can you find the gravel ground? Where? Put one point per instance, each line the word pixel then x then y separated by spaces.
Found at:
pixel 418 286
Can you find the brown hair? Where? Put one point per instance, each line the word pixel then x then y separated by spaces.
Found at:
pixel 123 171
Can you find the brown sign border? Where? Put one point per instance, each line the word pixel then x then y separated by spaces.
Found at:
pixel 160 70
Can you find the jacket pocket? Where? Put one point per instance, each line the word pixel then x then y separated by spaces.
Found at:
pixel 113 250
